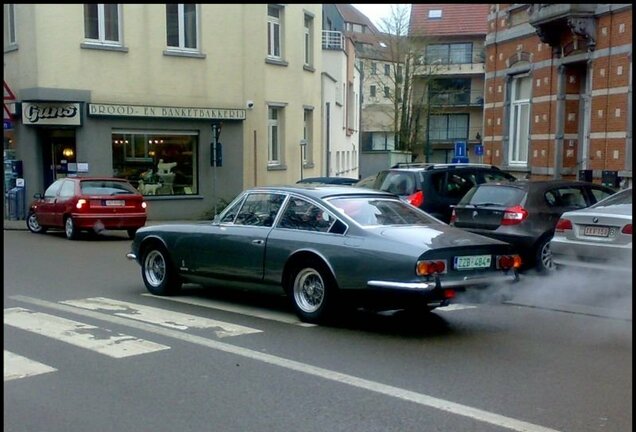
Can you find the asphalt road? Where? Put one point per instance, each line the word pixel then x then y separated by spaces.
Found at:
pixel 87 349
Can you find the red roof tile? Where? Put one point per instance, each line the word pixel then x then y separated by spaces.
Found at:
pixel 457 19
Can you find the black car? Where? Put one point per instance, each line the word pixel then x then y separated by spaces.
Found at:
pixel 524 213
pixel 348 181
pixel 436 187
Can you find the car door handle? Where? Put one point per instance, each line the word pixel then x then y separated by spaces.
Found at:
pixel 258 242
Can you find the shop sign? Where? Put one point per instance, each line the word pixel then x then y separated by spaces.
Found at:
pixel 111 110
pixel 54 113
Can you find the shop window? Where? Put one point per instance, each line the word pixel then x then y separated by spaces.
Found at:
pixel 157 163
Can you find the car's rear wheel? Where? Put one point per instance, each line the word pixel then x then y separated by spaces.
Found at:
pixel 543 256
pixel 70 229
pixel 33 225
pixel 158 273
pixel 313 292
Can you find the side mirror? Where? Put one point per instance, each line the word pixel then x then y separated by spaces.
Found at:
pixel 37 195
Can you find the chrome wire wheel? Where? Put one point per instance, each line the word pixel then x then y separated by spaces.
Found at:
pixel 309 290
pixel 154 268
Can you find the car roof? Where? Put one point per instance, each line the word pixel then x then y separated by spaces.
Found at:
pixel 328 180
pixel 319 191
pixel 441 166
pixel 96 178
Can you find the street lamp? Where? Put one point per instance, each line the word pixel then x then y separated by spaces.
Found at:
pixel 303 148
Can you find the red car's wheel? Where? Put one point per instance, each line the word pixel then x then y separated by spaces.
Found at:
pixel 33 225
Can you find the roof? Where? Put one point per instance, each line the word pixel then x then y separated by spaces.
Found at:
pixel 351 14
pixel 457 19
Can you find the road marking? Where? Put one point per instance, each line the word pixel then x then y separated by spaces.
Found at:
pixel 396 392
pixel 162 317
pixel 79 334
pixel 231 307
pixel 454 307
pixel 16 367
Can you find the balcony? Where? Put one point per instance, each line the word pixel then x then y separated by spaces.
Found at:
pixel 333 40
pixel 454 98
pixel 551 20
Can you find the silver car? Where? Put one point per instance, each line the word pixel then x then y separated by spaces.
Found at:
pixel 598 237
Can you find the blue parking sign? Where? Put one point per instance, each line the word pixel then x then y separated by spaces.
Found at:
pixel 479 149
pixel 460 148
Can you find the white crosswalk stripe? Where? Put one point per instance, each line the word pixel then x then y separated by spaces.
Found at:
pixel 17 366
pixel 82 335
pixel 160 317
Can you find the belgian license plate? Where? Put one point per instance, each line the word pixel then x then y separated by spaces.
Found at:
pixel 115 203
pixel 472 262
pixel 596 231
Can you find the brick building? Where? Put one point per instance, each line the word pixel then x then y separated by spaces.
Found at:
pixel 558 90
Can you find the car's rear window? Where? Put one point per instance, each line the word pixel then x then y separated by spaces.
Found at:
pixel 496 195
pixel 399 183
pixel 106 187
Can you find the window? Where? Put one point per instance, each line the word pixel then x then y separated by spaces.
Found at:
pixel 309 25
pixel 307 135
pixel 447 127
pixel 274 138
pixel 450 91
pixel 101 24
pixel 303 215
pixel 68 189
pixel 372 91
pixel 387 70
pixel 9 25
pixel 52 190
pixel 181 27
pixel 520 89
pixel 374 68
pixel 387 92
pixel 459 53
pixel 434 13
pixel 157 162
pixel 259 209
pixel 274 14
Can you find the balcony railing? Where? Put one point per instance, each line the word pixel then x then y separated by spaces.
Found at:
pixel 333 40
pixel 457 98
pixel 544 13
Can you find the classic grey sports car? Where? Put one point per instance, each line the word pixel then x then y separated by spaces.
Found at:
pixel 325 247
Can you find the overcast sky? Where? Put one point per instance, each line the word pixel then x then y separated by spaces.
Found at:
pixel 375 12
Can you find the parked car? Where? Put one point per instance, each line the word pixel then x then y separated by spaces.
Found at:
pixel 328 180
pixel 366 182
pixel 598 237
pixel 326 247
pixel 524 213
pixel 436 187
pixel 77 204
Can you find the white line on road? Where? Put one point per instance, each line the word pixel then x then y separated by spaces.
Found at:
pixel 162 317
pixel 240 309
pixel 396 392
pixel 79 334
pixel 16 366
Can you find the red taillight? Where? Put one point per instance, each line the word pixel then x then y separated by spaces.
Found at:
pixel 449 294
pixel 416 199
pixel 627 229
pixel 562 225
pixel 81 203
pixel 514 215
pixel 427 268
pixel 453 217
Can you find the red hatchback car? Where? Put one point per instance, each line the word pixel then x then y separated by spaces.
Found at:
pixel 88 204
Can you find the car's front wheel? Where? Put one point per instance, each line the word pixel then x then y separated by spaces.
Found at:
pixel 158 273
pixel 70 229
pixel 33 225
pixel 313 292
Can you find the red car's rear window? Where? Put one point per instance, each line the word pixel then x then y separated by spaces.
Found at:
pixel 106 187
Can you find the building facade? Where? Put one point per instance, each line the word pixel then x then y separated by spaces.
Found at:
pixel 558 91
pixel 141 91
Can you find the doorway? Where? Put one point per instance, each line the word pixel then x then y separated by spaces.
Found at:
pixel 58 154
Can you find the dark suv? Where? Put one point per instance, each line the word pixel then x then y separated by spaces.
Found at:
pixel 436 187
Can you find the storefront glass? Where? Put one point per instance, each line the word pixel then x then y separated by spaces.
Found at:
pixel 157 162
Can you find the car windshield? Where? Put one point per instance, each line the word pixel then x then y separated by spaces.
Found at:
pixel 381 211
pixel 492 195
pixel 622 197
pixel 106 187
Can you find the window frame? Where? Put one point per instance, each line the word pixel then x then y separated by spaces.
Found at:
pixel 274 138
pixel 10 33
pixel 308 40
pixel 101 26
pixel 183 28
pixel 448 116
pixel 515 147
pixel 275 32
